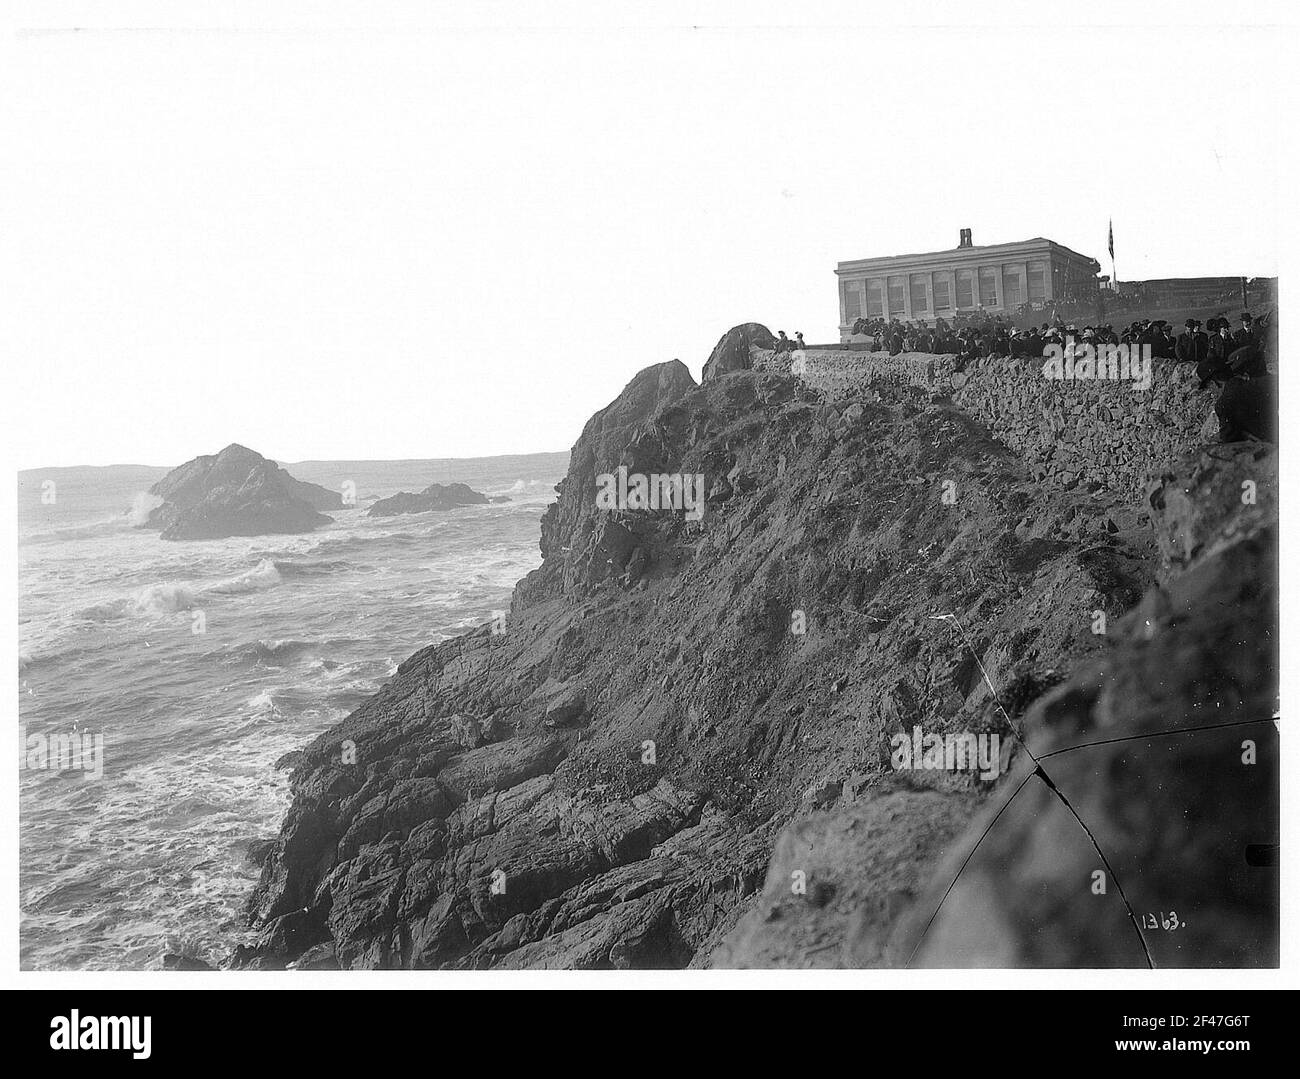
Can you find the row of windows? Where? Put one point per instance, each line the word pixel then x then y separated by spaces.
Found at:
pixel 924 288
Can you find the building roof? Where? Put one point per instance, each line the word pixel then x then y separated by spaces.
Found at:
pixel 1020 248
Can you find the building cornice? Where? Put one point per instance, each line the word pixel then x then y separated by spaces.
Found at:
pixel 1037 247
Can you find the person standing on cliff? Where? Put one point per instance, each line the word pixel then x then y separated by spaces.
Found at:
pixel 1192 346
pixel 798 341
pixel 1246 335
pixel 1246 358
pixel 1162 344
pixel 1214 368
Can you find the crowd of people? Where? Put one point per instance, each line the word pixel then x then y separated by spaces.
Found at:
pixel 1234 361
pixel 1219 351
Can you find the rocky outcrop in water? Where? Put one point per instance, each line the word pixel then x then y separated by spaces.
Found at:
pixel 236 492
pixel 679 748
pixel 436 496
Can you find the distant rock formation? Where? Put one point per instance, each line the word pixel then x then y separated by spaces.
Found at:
pixel 436 496
pixel 731 353
pixel 237 492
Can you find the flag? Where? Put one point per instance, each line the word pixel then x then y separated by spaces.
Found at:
pixel 1110 238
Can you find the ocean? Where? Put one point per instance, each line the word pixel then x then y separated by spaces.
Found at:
pixel 200 664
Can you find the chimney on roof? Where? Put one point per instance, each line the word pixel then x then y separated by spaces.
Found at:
pixel 965 238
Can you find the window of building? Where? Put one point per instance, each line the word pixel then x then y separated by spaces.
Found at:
pixel 920 295
pixel 1011 293
pixel 965 289
pixel 942 300
pixel 852 301
pixel 988 287
pixel 875 299
pixel 1037 281
pixel 896 286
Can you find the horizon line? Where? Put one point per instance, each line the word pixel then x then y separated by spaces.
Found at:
pixel 311 461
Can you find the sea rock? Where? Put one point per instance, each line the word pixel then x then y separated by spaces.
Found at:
pixel 236 492
pixel 435 497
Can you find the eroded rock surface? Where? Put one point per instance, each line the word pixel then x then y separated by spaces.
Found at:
pixel 683 718
pixel 236 492
pixel 435 497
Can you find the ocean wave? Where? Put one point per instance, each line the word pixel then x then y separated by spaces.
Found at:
pixel 108 611
pixel 262 702
pixel 79 531
pixel 164 599
pixel 272 653
pixel 262 576
pixel 142 505
pixel 317 568
pixel 521 486
pixel 154 599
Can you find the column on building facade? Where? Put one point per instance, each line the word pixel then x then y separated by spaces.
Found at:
pixel 907 296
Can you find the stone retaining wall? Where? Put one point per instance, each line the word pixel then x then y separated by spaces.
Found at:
pixel 1109 433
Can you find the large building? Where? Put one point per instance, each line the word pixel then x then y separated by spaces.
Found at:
pixel 999 278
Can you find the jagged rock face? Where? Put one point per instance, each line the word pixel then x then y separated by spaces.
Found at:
pixel 237 492
pixel 1156 766
pixel 581 545
pixel 437 496
pixel 603 783
pixel 731 353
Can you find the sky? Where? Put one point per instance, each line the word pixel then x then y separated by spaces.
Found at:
pixel 461 232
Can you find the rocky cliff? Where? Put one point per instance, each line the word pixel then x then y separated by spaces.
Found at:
pixel 437 496
pixel 681 748
pixel 236 492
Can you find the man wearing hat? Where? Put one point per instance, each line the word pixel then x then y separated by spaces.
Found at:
pixel 1192 346
pixel 1245 335
pixel 1215 368
pixel 1162 344
pixel 1246 357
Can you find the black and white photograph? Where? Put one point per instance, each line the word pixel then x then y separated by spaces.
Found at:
pixel 648 496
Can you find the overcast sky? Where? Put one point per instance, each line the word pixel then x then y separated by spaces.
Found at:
pixel 461 241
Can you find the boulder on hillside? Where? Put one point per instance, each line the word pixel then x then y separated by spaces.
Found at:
pixel 236 492
pixel 436 496
pixel 731 353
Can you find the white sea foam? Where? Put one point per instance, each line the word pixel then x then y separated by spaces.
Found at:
pixel 521 486
pixel 263 575
pixel 263 703
pixel 142 505
pixel 163 599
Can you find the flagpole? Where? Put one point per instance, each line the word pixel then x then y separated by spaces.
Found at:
pixel 1110 242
